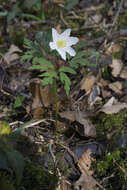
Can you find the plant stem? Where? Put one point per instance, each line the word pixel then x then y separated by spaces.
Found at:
pixel 56 101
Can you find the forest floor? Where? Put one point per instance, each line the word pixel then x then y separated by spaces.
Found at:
pixel 77 141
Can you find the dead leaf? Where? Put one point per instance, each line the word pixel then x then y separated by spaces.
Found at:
pixel 41 96
pixel 116 65
pixel 87 82
pixel 109 103
pixel 114 108
pixel 94 95
pixel 79 116
pixel 85 182
pixel 64 185
pixel 103 83
pixel 106 93
pixel 123 74
pixel 116 87
pixel 86 161
pixel 70 115
pixel 114 48
pixel 11 55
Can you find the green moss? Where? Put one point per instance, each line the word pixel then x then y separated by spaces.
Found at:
pixel 123 18
pixel 113 165
pixel 106 123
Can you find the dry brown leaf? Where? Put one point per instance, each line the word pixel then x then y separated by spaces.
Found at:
pixel 11 55
pixel 94 96
pixel 68 115
pixel 123 74
pixel 116 65
pixel 85 162
pixel 106 93
pixel 103 83
pixel 114 48
pixel 85 182
pixel 41 96
pixel 116 87
pixel 88 128
pixel 87 82
pixel 114 108
pixel 109 102
pixel 64 185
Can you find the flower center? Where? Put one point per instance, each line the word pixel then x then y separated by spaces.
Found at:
pixel 61 43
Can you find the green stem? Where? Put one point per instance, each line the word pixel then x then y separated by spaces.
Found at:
pixel 56 101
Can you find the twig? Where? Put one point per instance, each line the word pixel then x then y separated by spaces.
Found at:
pixel 116 17
pixel 115 35
pixel 77 162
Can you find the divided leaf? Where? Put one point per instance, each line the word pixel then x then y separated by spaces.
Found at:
pixel 67 70
pixel 66 81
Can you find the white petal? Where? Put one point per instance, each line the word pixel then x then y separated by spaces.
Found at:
pixel 72 41
pixel 66 33
pixel 55 34
pixel 52 45
pixel 70 50
pixel 62 53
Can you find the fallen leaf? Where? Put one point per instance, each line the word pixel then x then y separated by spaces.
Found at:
pixel 116 87
pixel 79 116
pixel 87 82
pixel 123 74
pixel 85 182
pixel 86 161
pixel 103 83
pixel 41 96
pixel 64 185
pixel 11 55
pixel 106 93
pixel 94 95
pixel 109 103
pixel 116 65
pixel 114 48
pixel 70 115
pixel 114 108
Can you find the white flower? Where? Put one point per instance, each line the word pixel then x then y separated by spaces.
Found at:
pixel 63 42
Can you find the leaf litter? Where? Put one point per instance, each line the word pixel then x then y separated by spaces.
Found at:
pixel 95 94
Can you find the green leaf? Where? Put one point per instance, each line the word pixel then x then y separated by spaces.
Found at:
pixel 43 38
pixel 26 57
pixel 70 4
pixel 16 162
pixel 3 160
pixel 51 74
pixel 30 16
pixel 67 70
pixel 30 3
pixel 38 67
pixel 10 158
pixel 47 80
pixel 83 61
pixel 4 128
pixel 81 54
pixel 46 62
pixel 19 100
pixel 66 81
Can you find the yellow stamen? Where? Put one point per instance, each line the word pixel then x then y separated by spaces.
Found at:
pixel 61 43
